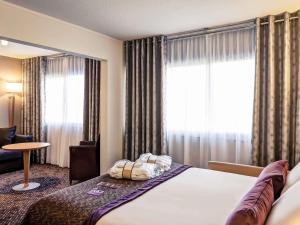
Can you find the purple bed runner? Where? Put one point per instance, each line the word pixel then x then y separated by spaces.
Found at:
pixel 100 212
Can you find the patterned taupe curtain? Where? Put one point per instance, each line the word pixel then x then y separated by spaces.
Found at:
pixel 91 99
pixel 32 119
pixel 276 121
pixel 145 70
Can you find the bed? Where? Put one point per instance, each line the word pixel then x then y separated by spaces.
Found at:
pixel 194 197
pixel 183 195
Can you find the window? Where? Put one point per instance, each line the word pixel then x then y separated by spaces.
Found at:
pixel 64 90
pixel 64 99
pixel 209 97
pixel 216 98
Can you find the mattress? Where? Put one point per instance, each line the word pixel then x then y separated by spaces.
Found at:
pixel 194 197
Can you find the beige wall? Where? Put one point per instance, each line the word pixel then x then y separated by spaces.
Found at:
pixel 21 24
pixel 10 71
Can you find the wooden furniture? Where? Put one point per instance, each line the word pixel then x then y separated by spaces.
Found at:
pixel 85 160
pixel 247 170
pixel 26 148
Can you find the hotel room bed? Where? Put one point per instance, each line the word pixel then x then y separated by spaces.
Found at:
pixel 194 197
pixel 182 195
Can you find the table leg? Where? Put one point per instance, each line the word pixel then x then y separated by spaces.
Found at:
pixel 26 161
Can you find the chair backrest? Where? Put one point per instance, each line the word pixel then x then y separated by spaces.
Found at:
pixel 7 135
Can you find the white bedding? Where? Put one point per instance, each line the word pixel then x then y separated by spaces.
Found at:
pixel 194 197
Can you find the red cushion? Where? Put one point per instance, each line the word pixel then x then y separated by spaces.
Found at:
pixel 277 171
pixel 255 206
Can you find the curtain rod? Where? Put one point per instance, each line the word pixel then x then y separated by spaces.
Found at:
pixel 280 20
pixel 60 55
pixel 217 29
pixel 211 32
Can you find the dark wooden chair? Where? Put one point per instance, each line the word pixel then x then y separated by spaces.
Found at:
pixel 85 161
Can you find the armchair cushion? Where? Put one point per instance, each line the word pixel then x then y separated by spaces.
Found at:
pixel 9 155
pixel 7 135
pixel 23 138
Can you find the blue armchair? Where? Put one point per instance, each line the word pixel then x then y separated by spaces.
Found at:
pixel 13 160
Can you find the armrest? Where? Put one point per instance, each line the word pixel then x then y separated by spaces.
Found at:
pixel 23 138
pixel 82 148
pixel 247 170
pixel 87 143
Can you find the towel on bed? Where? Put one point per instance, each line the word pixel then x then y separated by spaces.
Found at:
pixel 163 161
pixel 134 170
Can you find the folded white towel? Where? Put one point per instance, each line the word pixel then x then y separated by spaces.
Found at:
pixel 163 161
pixel 134 170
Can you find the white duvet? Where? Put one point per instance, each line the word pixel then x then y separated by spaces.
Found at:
pixel 194 197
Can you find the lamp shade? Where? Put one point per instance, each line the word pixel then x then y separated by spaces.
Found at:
pixel 4 42
pixel 13 87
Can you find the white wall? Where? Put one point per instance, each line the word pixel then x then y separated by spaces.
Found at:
pixel 10 71
pixel 21 24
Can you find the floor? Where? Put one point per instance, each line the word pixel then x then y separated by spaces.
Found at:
pixel 13 205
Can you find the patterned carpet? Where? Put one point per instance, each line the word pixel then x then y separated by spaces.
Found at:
pixel 13 205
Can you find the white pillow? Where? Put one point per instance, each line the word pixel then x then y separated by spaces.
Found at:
pixel 286 210
pixel 292 178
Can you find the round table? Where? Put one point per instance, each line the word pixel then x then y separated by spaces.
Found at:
pixel 26 148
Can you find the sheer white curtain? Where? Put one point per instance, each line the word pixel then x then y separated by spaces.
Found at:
pixel 64 88
pixel 209 97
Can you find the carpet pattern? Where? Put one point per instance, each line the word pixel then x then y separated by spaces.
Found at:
pixel 13 205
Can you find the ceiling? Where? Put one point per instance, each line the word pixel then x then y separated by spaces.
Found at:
pixel 129 19
pixel 20 51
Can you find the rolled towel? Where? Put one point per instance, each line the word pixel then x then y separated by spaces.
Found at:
pixel 134 170
pixel 163 161
pixel 121 163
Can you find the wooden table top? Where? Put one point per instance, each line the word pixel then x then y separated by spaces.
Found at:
pixel 25 146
